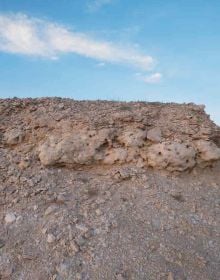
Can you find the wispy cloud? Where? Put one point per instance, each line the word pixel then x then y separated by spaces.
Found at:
pixel 100 64
pixel 20 34
pixel 152 79
pixel 95 5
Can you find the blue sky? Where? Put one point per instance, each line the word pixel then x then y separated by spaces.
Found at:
pixel 152 50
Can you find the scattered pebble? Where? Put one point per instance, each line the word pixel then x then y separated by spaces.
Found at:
pixel 98 212
pixel 74 246
pixel 44 230
pixel 2 243
pixel 10 218
pixel 50 210
pixel 51 238
pixel 19 218
pixel 170 276
pixel 35 207
pixel 82 228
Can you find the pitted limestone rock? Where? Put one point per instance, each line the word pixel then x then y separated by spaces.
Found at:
pixel 81 147
pixel 133 138
pixel 207 151
pixel 116 155
pixel 171 156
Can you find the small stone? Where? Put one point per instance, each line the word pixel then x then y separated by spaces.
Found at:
pixel 35 207
pixel 2 243
pixel 10 218
pixel 78 276
pixel 19 218
pixel 170 276
pixel 82 227
pixel 61 198
pixel 50 210
pixel 100 200
pixel 211 243
pixel 44 230
pixel 81 241
pixel 61 106
pixel 147 186
pixel 16 200
pixel 98 212
pixel 63 242
pixel 24 164
pixel 51 238
pixel 120 277
pixel 74 246
pixel 89 233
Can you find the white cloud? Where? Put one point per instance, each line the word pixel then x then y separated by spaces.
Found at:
pixel 100 64
pixel 95 5
pixel 21 34
pixel 152 79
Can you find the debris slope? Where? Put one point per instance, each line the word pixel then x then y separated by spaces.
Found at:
pixel 108 190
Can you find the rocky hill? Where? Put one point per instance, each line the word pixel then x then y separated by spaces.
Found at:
pixel 108 190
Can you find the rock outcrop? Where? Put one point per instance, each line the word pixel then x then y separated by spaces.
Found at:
pixel 207 151
pixel 172 156
pixel 108 190
pixel 163 136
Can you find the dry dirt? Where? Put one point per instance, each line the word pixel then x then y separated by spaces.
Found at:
pixel 108 190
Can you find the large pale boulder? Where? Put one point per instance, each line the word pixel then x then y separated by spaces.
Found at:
pixel 82 147
pixel 133 138
pixel 207 150
pixel 171 156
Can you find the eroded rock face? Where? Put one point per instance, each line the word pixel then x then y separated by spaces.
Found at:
pixel 99 147
pixel 207 150
pixel 119 146
pixel 171 156
pixel 80 147
pixel 69 133
pixel 115 155
pixel 133 138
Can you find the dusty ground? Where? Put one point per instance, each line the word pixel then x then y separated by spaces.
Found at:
pixel 98 221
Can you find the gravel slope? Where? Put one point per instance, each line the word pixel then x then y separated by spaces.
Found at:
pixel 105 222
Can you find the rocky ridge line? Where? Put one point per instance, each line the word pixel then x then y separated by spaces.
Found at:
pixel 64 132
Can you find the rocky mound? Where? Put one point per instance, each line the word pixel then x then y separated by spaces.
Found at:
pixel 72 133
pixel 108 190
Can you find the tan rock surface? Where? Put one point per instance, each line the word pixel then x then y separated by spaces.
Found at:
pixel 108 190
pixel 207 150
pixel 172 156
